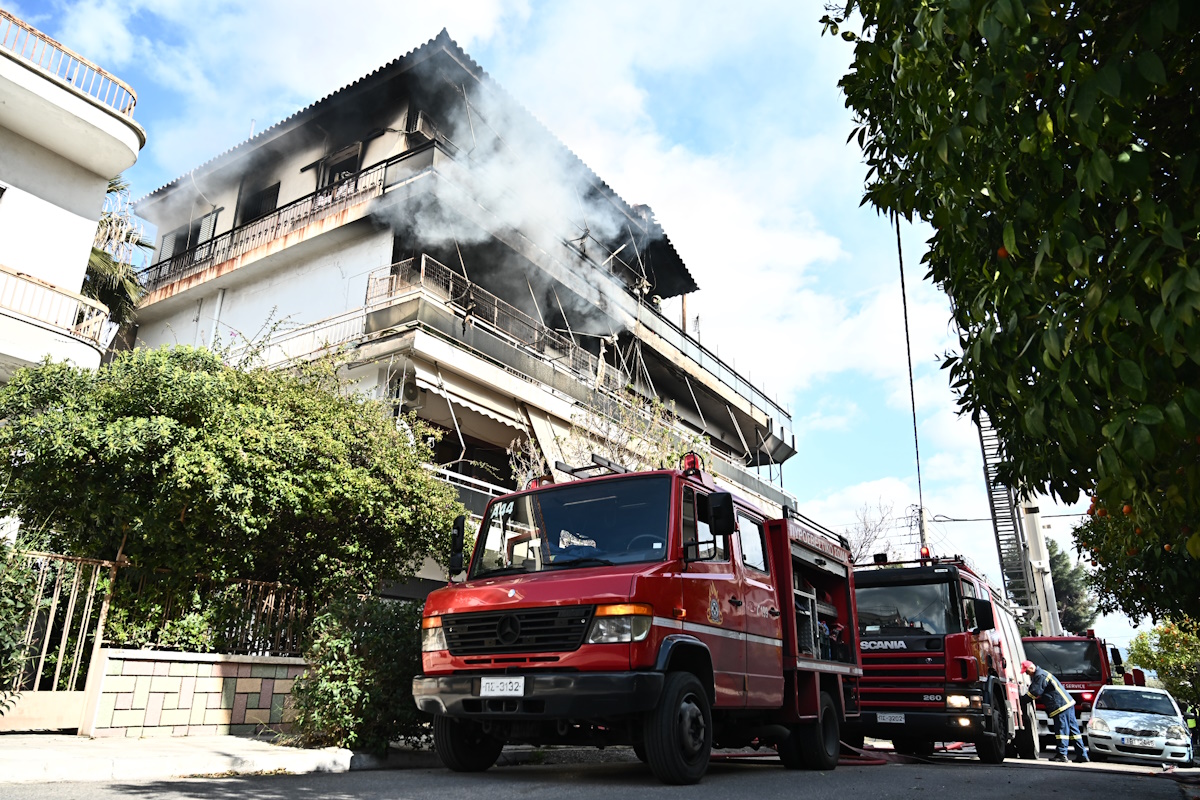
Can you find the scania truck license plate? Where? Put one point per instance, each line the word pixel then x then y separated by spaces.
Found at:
pixel 897 719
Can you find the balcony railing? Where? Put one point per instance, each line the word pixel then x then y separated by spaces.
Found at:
pixel 68 67
pixel 320 204
pixel 42 302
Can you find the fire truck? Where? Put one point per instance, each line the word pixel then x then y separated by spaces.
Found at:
pixel 648 609
pixel 941 657
pixel 1082 663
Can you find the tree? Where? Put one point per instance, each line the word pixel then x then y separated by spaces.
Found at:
pixel 870 532
pixel 1076 604
pixel 176 460
pixel 111 275
pixel 1172 650
pixel 1053 147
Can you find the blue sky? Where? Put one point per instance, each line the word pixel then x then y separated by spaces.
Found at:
pixel 729 124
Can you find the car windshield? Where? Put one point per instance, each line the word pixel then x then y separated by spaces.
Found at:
pixel 917 608
pixel 618 521
pixel 1136 702
pixel 1067 661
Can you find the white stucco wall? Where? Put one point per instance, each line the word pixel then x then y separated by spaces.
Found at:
pixel 48 212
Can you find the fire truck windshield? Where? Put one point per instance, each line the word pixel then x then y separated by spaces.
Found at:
pixel 1067 660
pixel 904 609
pixel 586 524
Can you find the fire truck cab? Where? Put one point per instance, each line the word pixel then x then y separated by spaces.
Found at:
pixel 941 659
pixel 647 609
pixel 1082 663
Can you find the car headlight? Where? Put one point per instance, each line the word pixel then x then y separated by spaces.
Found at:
pixel 964 701
pixel 623 622
pixel 1178 732
pixel 1098 724
pixel 433 638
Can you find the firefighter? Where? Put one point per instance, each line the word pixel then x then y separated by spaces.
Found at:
pixel 1061 710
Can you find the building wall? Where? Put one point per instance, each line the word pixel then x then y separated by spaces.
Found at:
pixel 48 212
pixel 145 693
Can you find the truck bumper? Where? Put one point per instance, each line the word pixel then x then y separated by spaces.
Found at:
pixel 938 726
pixel 554 695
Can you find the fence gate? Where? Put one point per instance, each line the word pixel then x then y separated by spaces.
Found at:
pixel 62 638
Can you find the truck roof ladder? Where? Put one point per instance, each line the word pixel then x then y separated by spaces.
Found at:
pixel 1006 521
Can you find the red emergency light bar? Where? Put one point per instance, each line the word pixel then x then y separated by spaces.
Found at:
pixel 540 481
pixel 691 464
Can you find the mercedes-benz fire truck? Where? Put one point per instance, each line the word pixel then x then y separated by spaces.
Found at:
pixel 648 609
pixel 941 658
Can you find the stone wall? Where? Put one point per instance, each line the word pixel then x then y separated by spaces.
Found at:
pixel 144 693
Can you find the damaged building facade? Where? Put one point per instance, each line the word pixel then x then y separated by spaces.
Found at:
pixel 466 263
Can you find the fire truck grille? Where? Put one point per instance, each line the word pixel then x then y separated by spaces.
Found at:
pixel 525 630
pixel 903 680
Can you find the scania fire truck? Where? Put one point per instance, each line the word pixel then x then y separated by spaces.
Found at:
pixel 941 657
pixel 1082 663
pixel 648 609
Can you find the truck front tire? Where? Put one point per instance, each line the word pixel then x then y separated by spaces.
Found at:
pixel 991 749
pixel 678 733
pixel 463 746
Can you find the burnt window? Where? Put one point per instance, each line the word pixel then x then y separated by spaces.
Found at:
pixel 342 165
pixel 260 203
pixel 185 237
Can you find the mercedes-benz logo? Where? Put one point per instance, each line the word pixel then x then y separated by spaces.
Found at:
pixel 508 629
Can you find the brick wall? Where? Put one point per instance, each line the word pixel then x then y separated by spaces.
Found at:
pixel 156 693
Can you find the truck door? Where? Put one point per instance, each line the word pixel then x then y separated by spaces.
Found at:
pixel 714 609
pixel 764 629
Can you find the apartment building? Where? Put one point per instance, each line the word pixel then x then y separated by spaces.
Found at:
pixel 465 261
pixel 66 128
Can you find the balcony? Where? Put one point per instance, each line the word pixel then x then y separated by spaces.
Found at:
pixel 64 66
pixel 38 319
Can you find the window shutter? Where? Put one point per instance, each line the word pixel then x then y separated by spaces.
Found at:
pixel 207 223
pixel 168 245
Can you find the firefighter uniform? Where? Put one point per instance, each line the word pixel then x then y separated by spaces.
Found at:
pixel 1061 710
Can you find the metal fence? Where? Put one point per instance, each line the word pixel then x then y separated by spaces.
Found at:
pixel 72 69
pixel 325 202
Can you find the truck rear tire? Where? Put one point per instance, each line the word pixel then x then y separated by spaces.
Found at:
pixel 463 746
pixel 991 749
pixel 678 733
pixel 819 743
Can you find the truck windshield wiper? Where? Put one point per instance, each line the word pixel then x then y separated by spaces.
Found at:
pixel 583 561
pixel 500 571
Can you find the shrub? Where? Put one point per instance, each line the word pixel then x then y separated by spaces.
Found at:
pixel 18 592
pixel 357 692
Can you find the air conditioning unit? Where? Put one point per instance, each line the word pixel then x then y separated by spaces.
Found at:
pixel 409 394
pixel 422 129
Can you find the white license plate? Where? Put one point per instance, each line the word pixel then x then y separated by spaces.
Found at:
pixel 502 687
pixel 896 719
pixel 1134 741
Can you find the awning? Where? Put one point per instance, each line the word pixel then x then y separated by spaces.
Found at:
pixel 472 397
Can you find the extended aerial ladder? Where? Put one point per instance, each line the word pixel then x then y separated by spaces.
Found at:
pixel 1024 560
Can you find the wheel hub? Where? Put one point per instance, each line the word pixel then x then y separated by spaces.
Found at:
pixel 691 726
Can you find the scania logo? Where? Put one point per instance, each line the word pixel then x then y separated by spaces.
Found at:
pixel 884 645
pixel 508 629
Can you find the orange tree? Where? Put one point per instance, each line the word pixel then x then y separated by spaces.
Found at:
pixel 1053 147
pixel 1172 650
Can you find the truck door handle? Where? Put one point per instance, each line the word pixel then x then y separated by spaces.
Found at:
pixel 733 601
pixel 774 612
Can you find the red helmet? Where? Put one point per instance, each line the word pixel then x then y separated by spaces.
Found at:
pixel 1027 666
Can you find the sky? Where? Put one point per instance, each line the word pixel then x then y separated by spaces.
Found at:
pixel 728 124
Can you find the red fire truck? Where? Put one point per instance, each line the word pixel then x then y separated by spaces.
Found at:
pixel 1082 663
pixel 647 609
pixel 941 658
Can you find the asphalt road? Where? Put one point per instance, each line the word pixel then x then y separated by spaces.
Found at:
pixel 617 775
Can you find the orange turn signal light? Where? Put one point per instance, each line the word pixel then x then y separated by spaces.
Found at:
pixel 431 622
pixel 625 610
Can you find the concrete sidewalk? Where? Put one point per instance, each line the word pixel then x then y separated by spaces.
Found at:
pixel 28 758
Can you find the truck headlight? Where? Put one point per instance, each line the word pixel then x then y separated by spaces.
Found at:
pixel 1098 724
pixel 1178 733
pixel 433 638
pixel 964 701
pixel 622 622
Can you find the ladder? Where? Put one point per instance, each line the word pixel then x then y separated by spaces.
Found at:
pixel 1006 521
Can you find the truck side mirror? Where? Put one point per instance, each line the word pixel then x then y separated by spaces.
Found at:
pixel 720 514
pixel 1116 658
pixel 985 619
pixel 457 537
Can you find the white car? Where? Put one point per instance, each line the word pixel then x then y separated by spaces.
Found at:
pixel 1138 722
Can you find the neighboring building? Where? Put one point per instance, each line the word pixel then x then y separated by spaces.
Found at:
pixel 471 266
pixel 66 128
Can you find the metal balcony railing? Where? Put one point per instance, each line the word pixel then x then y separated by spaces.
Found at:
pixel 37 301
pixel 66 66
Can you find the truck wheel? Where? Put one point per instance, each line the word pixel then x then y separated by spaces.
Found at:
pixel 678 734
pixel 462 746
pixel 820 742
pixel 1027 738
pixel 991 749
pixel 639 750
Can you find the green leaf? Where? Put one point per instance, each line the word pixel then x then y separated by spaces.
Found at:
pixel 1010 239
pixel 1108 79
pixel 1173 238
pixel 1102 166
pixel 1174 416
pixel 1151 67
pixel 943 150
pixel 1149 415
pixel 1131 374
pixel 1143 442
